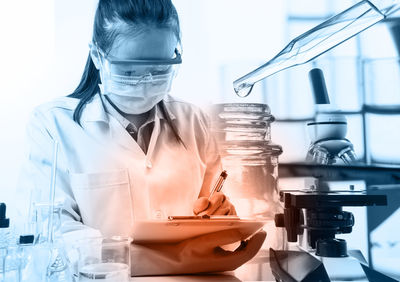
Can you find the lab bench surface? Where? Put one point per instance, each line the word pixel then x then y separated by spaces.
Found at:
pixel 257 269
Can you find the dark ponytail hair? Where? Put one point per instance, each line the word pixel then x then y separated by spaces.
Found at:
pixel 87 88
pixel 114 18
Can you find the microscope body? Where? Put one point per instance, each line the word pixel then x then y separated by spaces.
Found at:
pixel 313 218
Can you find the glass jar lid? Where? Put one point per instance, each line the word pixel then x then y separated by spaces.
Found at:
pixel 240 112
pixel 250 148
pixel 242 121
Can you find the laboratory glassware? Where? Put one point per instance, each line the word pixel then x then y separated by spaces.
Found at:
pixel 40 220
pixel 103 259
pixel 32 259
pixel 242 122
pixel 58 267
pixel 11 264
pixel 319 40
pixel 381 78
pixel 50 252
pixel 243 134
pixel 4 239
pixel 43 249
pixel 4 225
pixel 25 269
pixel 13 260
pixel 381 82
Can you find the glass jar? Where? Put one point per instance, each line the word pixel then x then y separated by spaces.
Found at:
pixel 243 134
pixel 253 177
pixel 33 261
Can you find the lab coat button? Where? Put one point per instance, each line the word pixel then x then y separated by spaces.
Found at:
pixel 149 165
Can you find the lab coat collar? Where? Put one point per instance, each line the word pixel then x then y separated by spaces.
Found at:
pixel 168 107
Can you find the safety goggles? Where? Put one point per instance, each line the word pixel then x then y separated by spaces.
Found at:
pixel 117 69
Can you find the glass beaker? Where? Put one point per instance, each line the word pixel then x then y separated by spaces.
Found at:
pixel 104 259
pixel 40 220
pixel 381 81
pixel 382 109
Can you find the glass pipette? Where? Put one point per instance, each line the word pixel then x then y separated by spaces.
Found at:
pixel 319 40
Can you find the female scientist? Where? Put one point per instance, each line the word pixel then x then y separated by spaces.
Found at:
pixel 128 150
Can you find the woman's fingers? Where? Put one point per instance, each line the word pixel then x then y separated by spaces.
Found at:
pixel 200 205
pixel 215 202
pixel 232 210
pixel 217 205
pixel 222 211
pixel 226 209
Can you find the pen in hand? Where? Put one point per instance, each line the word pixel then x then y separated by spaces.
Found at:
pixel 218 185
pixel 218 204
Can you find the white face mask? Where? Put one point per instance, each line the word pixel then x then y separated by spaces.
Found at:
pixel 136 86
pixel 137 96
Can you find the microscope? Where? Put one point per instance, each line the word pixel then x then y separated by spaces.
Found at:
pixel 314 216
pixel 328 131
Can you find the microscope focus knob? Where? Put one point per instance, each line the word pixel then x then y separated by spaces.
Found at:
pixel 290 220
pixel 279 220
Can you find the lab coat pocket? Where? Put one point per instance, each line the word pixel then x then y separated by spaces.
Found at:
pixel 104 200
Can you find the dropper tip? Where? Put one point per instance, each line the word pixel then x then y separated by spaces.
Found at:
pixel 243 90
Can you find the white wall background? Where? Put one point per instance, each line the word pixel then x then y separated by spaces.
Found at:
pixel 27 51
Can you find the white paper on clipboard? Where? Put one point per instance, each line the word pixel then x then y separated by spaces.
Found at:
pixel 171 231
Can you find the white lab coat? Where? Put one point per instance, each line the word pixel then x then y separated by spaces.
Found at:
pixel 104 178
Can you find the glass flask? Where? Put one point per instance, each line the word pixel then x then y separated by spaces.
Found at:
pixel 58 268
pixel 49 243
pixel 319 40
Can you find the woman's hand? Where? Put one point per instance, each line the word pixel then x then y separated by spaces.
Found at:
pixel 217 205
pixel 195 255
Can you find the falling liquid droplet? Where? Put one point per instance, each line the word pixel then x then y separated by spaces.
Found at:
pixel 244 90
